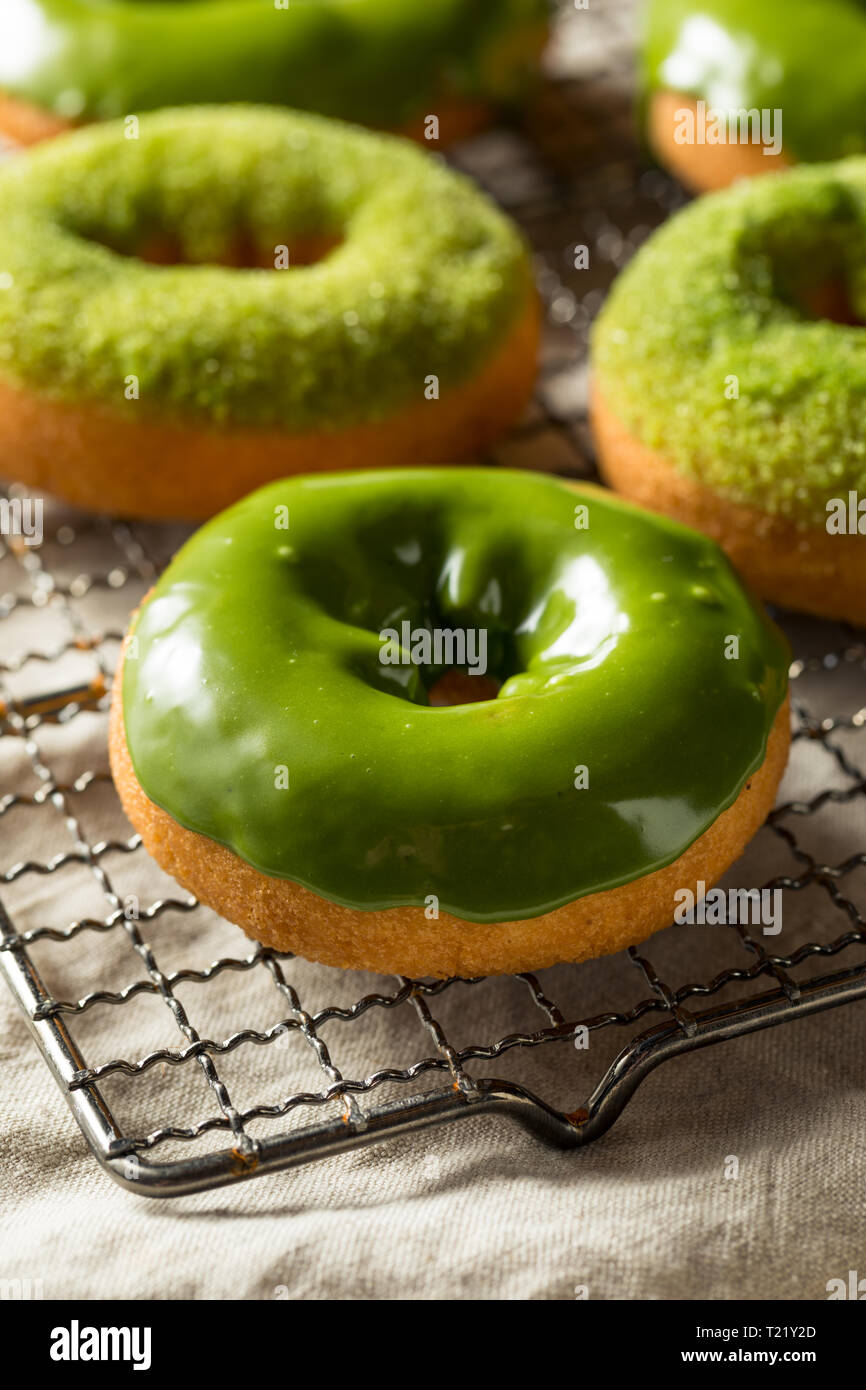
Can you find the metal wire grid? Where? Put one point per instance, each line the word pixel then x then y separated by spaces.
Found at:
pixel 575 178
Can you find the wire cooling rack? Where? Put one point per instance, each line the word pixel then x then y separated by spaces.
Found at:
pixel 191 1058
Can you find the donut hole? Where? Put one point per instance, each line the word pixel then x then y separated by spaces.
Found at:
pixel 811 263
pixel 203 206
pixel 434 619
pixel 438 661
pixel 829 299
pixel 240 252
pixel 460 687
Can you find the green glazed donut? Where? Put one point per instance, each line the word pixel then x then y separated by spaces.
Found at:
pixel 805 59
pixel 387 63
pixel 243 374
pixel 258 710
pixel 730 378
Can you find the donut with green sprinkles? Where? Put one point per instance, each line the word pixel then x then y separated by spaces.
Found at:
pixel 228 295
pixel 729 368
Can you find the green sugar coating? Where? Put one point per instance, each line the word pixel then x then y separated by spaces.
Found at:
pixel 707 351
pixel 427 276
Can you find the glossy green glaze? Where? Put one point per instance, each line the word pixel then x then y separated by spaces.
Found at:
pixel 382 62
pixel 707 350
pixel 805 57
pixel 428 276
pixel 258 655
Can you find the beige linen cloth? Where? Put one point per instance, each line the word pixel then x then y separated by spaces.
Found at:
pixel 480 1208
pixel 735 1171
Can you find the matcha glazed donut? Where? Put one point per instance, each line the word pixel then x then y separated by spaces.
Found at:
pixel 308 790
pixel 385 63
pixel 805 60
pixel 170 390
pixel 729 381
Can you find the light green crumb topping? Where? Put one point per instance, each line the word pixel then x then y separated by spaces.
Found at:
pixel 708 350
pixel 426 279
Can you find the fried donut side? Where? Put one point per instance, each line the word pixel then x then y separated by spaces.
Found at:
pixel 288 917
pixel 89 453
pixel 800 567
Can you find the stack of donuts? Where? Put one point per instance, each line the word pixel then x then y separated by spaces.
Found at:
pixel 231 288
